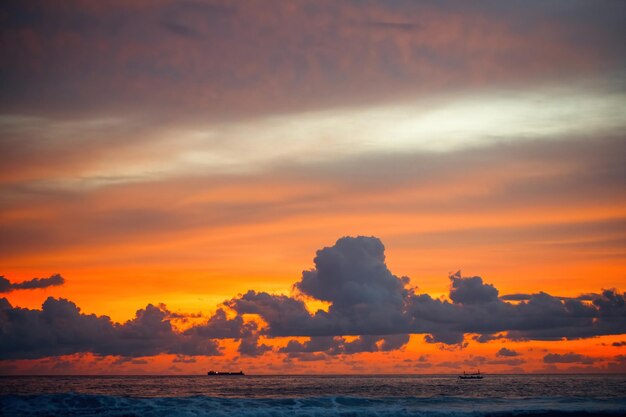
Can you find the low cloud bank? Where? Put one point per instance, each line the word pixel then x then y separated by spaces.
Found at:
pixel 365 300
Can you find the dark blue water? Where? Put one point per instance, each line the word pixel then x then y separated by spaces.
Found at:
pixel 405 395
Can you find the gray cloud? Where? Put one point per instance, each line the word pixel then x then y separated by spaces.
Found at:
pixel 570 357
pixel 334 345
pixel 219 326
pixel 249 346
pixel 471 290
pixel 31 284
pixel 60 328
pixel 367 299
pixel 248 47
pixel 507 352
pixel 515 297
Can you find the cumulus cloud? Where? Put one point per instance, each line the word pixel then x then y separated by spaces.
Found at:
pixel 60 328
pixel 365 300
pixel 471 290
pixel 35 283
pixel 250 346
pixel 219 326
pixel 365 297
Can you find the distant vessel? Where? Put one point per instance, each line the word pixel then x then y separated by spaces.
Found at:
pixel 217 373
pixel 473 375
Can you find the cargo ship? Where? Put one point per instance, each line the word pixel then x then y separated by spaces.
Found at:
pixel 473 375
pixel 218 373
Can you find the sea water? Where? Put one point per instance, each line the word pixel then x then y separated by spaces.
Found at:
pixel 306 395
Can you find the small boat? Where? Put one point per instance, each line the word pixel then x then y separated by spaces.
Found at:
pixel 218 373
pixel 473 375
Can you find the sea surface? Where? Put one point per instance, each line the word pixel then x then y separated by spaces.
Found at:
pixel 340 395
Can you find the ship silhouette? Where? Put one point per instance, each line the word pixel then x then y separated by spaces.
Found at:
pixel 473 375
pixel 219 373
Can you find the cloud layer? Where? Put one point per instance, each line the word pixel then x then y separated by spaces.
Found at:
pixel 364 299
pixel 60 328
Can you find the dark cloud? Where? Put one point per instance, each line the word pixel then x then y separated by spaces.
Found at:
pixel 394 341
pixel 219 326
pixel 250 346
pixel 301 55
pixel 60 328
pixel 515 297
pixel 619 344
pixel 283 312
pixel 507 352
pixel 571 357
pixel 333 346
pixel 447 338
pixel 367 299
pixel 35 283
pixel 328 344
pixel 471 290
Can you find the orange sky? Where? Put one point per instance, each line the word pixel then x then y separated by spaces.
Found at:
pixel 185 156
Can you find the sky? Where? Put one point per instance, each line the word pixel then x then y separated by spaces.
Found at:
pixel 292 186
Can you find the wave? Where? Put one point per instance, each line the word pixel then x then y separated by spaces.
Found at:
pixel 114 406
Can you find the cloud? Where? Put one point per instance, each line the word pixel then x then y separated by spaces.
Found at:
pixel 333 346
pixel 507 352
pixel 35 283
pixel 250 346
pixel 327 344
pixel 60 328
pixel 184 359
pixel 471 290
pixel 365 299
pixel 568 358
pixel 354 52
pixel 619 344
pixel 509 361
pixel 283 312
pixel 219 326
pixel 515 297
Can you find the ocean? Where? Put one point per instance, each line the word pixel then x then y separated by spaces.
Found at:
pixel 314 395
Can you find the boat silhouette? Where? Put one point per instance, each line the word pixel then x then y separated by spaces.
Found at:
pixel 218 373
pixel 473 375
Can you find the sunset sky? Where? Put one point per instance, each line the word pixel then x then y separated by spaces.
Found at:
pixel 292 186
